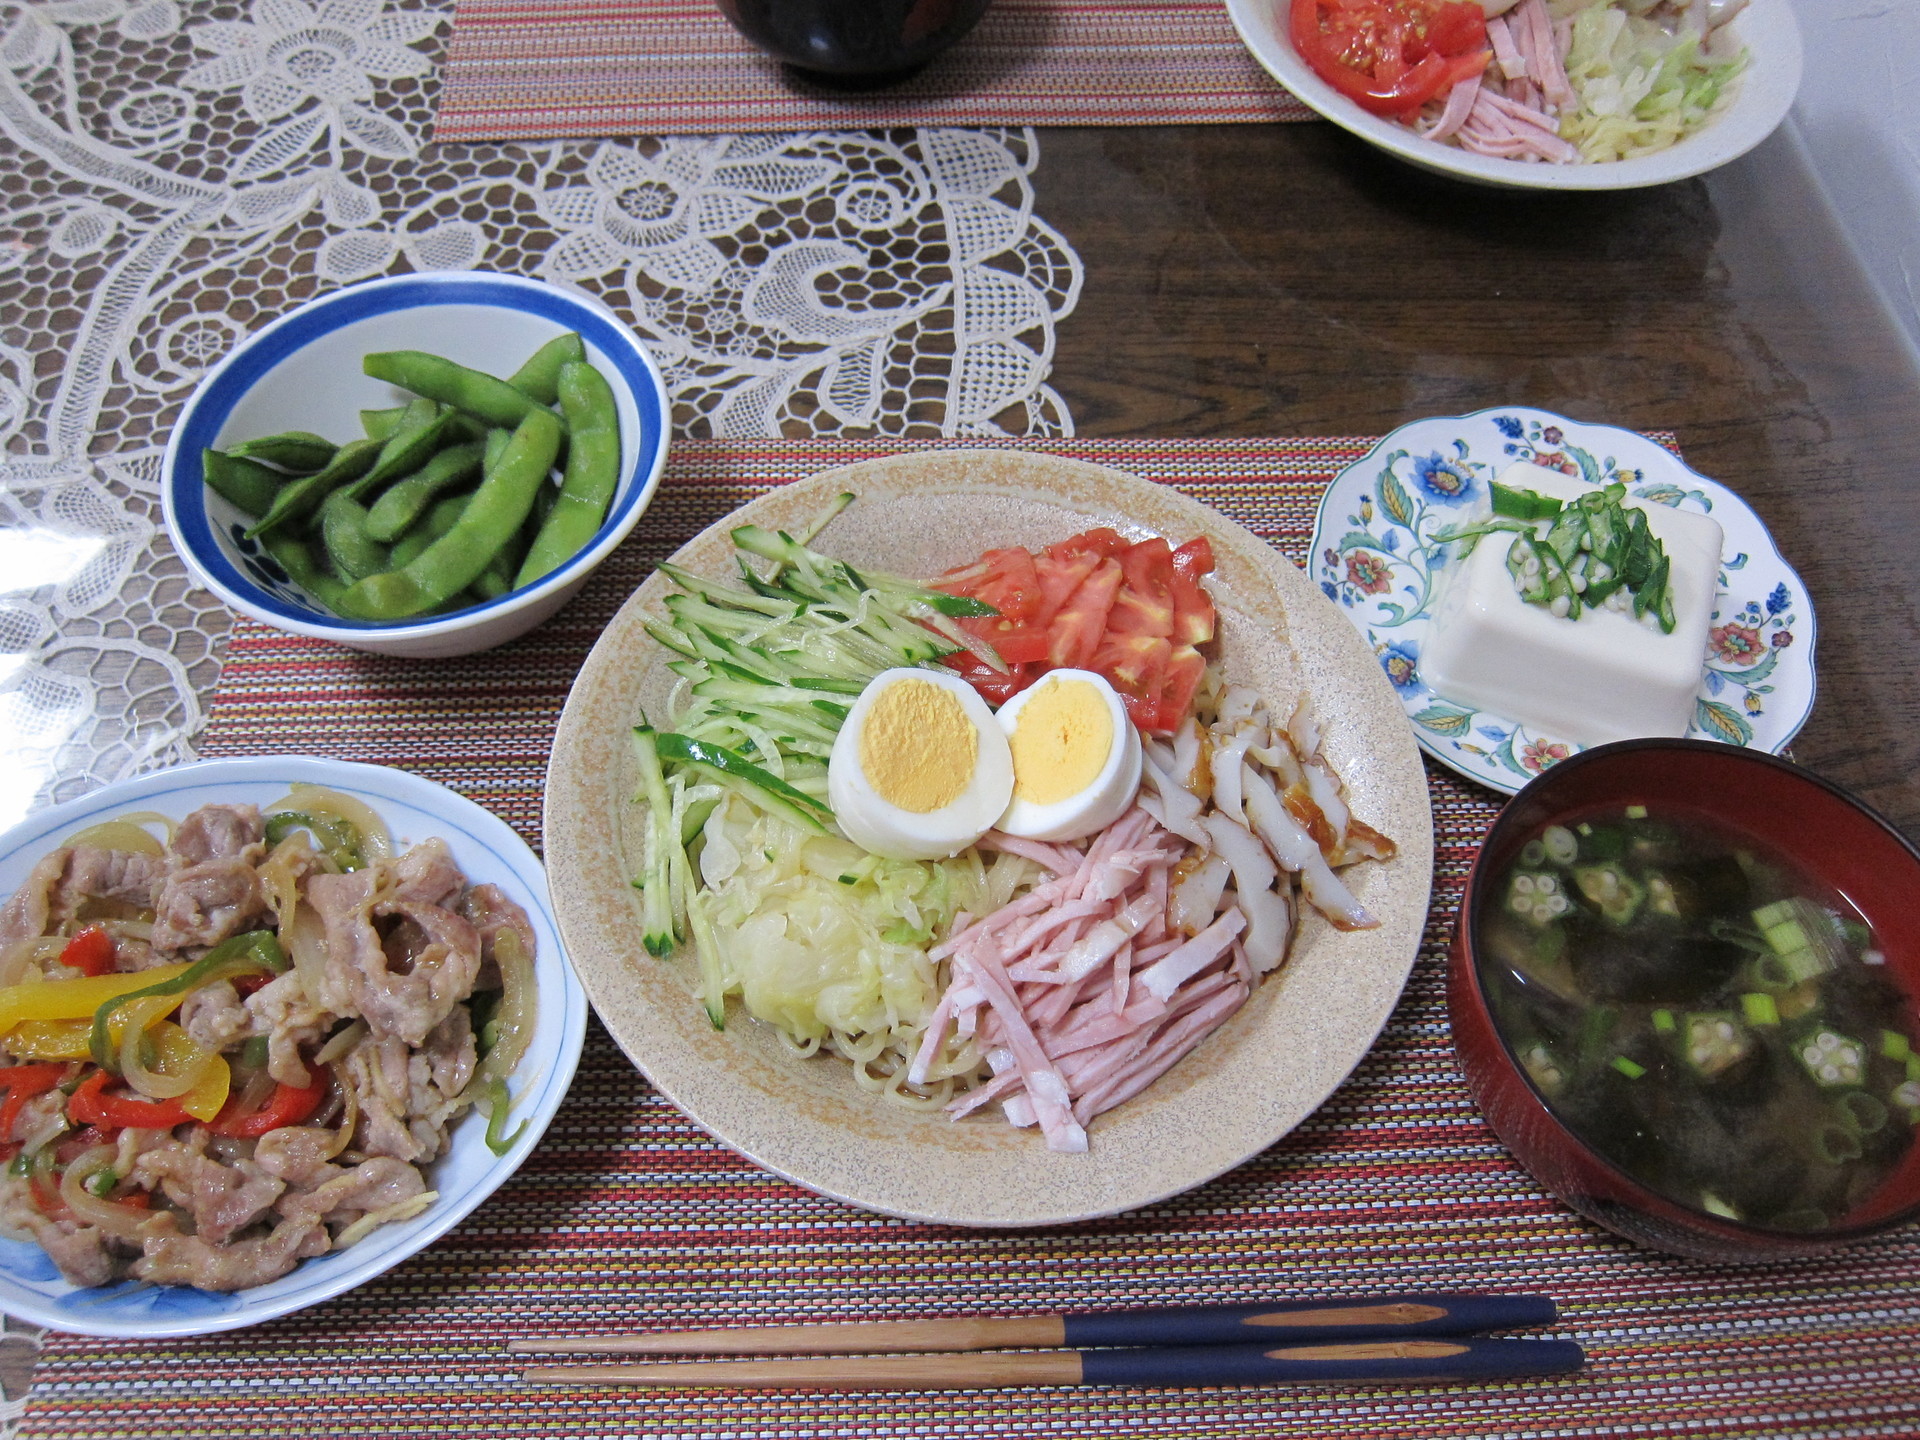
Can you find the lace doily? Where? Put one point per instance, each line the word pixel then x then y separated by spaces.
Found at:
pixel 175 174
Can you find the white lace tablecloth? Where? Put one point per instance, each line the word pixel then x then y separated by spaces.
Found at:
pixel 173 175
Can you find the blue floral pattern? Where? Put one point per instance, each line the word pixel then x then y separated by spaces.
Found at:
pixel 1376 556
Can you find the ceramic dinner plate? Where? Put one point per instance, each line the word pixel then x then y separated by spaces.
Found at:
pixel 1375 557
pixel 1271 1065
pixel 415 809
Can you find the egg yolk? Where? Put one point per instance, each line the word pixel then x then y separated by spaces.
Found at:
pixel 918 748
pixel 1060 742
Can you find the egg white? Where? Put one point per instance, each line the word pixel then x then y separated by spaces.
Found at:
pixel 1106 798
pixel 877 825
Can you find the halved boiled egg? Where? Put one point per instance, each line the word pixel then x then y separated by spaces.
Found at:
pixel 1076 757
pixel 919 770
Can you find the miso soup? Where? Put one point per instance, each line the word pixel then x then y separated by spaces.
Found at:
pixel 1706 1015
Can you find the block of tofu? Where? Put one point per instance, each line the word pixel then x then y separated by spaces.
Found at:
pixel 1603 676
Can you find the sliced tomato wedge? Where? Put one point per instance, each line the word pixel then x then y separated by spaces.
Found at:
pixel 1145 603
pixel 1077 628
pixel 1390 56
pixel 993 686
pixel 1004 579
pixel 1186 667
pixel 1102 541
pixel 1136 665
pixel 1193 612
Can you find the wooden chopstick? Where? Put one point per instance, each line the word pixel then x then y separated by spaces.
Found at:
pixel 1397 1361
pixel 1376 1317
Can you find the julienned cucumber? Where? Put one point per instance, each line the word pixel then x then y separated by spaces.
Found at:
pixel 767 672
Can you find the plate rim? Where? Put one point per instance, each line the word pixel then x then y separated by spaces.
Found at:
pixel 566 849
pixel 277 772
pixel 1325 522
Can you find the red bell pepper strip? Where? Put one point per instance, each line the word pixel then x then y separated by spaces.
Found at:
pixel 91 952
pixel 91 1105
pixel 22 1083
pixel 290 1105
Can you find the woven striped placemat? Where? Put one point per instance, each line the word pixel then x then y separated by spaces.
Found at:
pixel 553 69
pixel 628 1217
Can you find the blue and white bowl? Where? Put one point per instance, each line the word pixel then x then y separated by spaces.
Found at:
pixel 486 850
pixel 302 372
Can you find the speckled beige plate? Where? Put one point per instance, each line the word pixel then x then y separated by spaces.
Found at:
pixel 1246 1086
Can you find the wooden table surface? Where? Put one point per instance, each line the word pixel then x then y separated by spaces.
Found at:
pixel 1290 280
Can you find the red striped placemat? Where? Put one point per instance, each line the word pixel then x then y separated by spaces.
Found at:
pixel 627 1217
pixel 552 69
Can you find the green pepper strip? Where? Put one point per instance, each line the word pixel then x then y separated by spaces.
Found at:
pixel 498 1101
pixel 593 472
pixel 540 376
pixel 485 397
pixel 496 510
pixel 339 838
pixel 238 955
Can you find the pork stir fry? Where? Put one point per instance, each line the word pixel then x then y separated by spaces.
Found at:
pixel 236 1049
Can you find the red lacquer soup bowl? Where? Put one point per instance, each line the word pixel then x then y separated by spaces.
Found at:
pixel 1838 843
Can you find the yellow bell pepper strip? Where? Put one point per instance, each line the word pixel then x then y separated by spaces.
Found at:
pixel 177 1053
pixel 77 999
pixel 256 950
pixel 49 1040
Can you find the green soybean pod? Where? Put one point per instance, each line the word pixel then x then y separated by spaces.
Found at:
pixel 593 471
pixel 417 439
pixel 485 397
pixel 438 520
pixel 407 499
pixel 293 555
pixel 300 498
pixel 540 376
pixel 247 483
pixel 352 552
pixel 380 424
pixel 454 561
pixel 301 451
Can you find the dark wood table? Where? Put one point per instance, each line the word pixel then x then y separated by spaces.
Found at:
pixel 1291 280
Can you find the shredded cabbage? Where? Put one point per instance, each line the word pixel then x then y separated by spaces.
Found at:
pixel 828 943
pixel 1642 86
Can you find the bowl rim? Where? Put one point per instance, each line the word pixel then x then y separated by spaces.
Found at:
pixel 1646 1197
pixel 183 502
pixel 1766 94
pixel 550 1087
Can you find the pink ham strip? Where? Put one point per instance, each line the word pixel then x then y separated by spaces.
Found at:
pixel 1166 1051
pixel 1459 105
pixel 1045 1087
pixel 1060 859
pixel 1506 55
pixel 1545 52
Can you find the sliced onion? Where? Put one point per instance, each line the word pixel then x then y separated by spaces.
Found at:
pixel 116 1220
pixel 281 872
pixel 185 1058
pixel 514 1018
pixel 23 961
pixel 350 1114
pixel 385 1215
pixel 128 832
pixel 341 1043
pixel 305 938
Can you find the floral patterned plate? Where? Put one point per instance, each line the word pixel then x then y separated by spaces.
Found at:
pixel 1375 557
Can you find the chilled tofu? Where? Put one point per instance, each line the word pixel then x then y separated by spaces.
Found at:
pixel 1602 676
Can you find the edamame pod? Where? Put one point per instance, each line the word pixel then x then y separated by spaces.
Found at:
pixel 593 471
pixel 343 531
pixel 300 498
pixel 300 451
pixel 247 483
pixel 293 555
pixel 407 499
pixel 418 437
pixel 540 376
pixel 436 522
pixel 455 561
pixel 483 396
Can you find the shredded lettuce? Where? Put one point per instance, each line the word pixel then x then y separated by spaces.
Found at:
pixel 828 943
pixel 1642 87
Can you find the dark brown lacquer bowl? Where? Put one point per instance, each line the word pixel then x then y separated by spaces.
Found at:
pixel 861 42
pixel 1833 837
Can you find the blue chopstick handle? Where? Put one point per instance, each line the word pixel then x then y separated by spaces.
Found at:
pixel 1473 1358
pixel 1385 1315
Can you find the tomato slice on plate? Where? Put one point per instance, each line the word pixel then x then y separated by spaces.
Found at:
pixel 1004 579
pixel 1145 604
pixel 1390 56
pixel 1193 613
pixel 1102 541
pixel 1077 628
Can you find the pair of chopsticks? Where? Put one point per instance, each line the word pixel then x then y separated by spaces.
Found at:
pixel 1391 1339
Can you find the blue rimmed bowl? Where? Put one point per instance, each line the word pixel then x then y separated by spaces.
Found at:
pixel 487 850
pixel 302 372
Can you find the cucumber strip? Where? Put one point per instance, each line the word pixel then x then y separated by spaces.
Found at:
pixel 769 790
pixel 657 907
